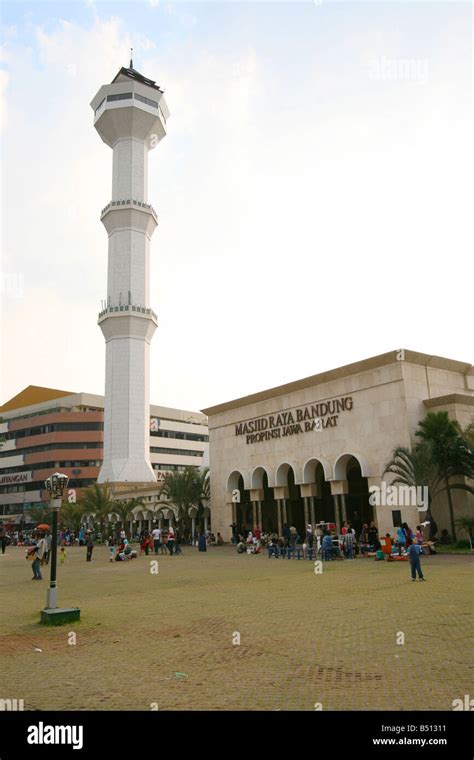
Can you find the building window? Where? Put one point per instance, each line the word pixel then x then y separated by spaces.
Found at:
pixel 120 96
pixel 149 102
pixel 396 518
pixel 180 435
pixel 55 427
pixel 177 452
pixel 51 446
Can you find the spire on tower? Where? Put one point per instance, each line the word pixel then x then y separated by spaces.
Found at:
pixel 131 58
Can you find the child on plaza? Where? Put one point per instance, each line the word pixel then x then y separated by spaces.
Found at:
pixel 414 551
pixel 62 555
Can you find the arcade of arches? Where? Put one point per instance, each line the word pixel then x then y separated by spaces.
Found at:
pixel 299 496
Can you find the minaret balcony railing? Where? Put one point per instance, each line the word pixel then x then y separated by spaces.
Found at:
pixel 127 307
pixel 140 204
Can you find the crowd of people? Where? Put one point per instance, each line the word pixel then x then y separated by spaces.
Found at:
pixel 320 540
pixel 323 540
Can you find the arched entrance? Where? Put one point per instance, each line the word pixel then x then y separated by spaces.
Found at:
pixel 268 509
pixel 269 513
pixel 244 512
pixel 319 472
pixel 358 508
pixel 325 510
pixel 295 507
pixel 292 502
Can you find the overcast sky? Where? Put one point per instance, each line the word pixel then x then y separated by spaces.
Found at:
pixel 314 190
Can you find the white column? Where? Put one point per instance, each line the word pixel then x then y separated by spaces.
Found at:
pixel 306 512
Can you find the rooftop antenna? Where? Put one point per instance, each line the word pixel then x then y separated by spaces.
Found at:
pixel 131 58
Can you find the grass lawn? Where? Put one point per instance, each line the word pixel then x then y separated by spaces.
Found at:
pixel 453 549
pixel 305 638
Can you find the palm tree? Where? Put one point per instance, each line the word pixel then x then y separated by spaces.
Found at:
pixel 41 513
pixel 467 524
pixel 205 488
pixel 124 508
pixel 451 454
pixel 468 435
pixel 71 516
pixel 186 488
pixel 416 468
pixel 97 500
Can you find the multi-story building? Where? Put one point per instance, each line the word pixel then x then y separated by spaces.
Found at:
pixel 43 430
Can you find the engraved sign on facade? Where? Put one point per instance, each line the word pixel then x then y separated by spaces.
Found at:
pixel 303 419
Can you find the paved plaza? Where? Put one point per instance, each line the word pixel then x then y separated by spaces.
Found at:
pixel 305 638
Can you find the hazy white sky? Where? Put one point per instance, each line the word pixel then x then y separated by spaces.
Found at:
pixel 314 190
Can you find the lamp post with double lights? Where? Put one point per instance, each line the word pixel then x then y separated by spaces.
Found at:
pixel 52 614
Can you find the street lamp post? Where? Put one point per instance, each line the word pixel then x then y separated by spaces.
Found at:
pixel 52 614
pixel 55 485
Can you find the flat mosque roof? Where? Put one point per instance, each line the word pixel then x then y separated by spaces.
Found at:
pixel 412 357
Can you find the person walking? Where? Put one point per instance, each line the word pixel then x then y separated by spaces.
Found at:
pixel 156 533
pixel 145 543
pixel 408 533
pixel 414 551
pixel 49 540
pixel 401 540
pixel 89 545
pixel 3 539
pixel 170 543
pixel 419 534
pixel 327 547
pixel 40 550
pixel 349 544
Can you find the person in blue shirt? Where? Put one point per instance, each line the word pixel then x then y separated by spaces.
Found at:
pixel 414 551
pixel 327 547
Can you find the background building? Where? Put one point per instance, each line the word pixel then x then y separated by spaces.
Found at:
pixel 44 429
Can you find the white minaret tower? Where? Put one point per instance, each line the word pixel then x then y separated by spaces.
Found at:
pixel 130 116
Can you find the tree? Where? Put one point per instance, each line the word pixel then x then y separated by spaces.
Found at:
pixel 186 488
pixel 71 516
pixel 468 435
pixel 41 513
pixel 451 454
pixel 417 468
pixel 123 509
pixel 96 500
pixel 467 524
